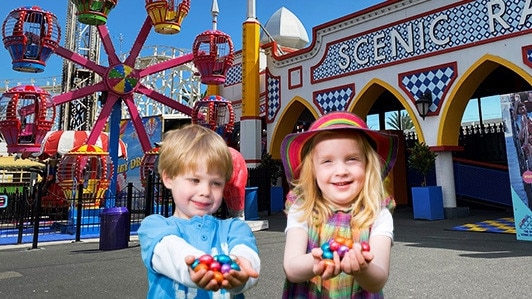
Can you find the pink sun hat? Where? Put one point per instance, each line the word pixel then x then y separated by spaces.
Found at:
pixel 293 144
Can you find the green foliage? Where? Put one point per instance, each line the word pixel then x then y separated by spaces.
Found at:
pixel 421 159
pixel 274 167
pixel 400 121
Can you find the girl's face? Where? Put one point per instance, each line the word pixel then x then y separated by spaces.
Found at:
pixel 196 193
pixel 340 169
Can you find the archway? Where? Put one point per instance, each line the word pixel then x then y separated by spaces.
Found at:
pixel 298 109
pixel 490 75
pixel 379 97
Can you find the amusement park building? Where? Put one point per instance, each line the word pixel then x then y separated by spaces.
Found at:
pixel 383 59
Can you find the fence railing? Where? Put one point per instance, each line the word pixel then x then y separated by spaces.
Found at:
pixel 25 218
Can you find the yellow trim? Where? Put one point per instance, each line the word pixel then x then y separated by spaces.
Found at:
pixel 167 28
pixel 286 122
pixel 456 101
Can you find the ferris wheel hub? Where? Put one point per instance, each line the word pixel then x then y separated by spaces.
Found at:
pixel 122 79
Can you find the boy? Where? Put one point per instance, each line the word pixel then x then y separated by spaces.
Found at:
pixel 195 164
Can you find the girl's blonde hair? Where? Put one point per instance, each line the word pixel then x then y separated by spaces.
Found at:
pixel 187 148
pixel 366 205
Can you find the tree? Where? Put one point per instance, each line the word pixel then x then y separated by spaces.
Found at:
pixel 400 120
pixel 421 159
pixel 273 167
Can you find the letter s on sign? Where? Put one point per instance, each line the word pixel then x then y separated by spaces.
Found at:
pixel 346 59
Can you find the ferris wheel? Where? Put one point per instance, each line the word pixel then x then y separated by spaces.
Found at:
pixel 131 85
pixel 180 83
pixel 121 80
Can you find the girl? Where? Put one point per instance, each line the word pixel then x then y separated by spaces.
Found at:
pixel 336 169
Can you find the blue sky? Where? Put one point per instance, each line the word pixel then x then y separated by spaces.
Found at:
pixel 126 19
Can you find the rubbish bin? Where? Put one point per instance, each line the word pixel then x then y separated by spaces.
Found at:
pixel 114 230
pixel 251 206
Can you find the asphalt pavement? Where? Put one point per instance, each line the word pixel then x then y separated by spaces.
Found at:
pixel 428 261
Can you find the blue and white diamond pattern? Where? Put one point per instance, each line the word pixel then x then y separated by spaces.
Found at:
pixel 529 55
pixel 461 25
pixel 233 75
pixel 436 81
pixel 334 100
pixel 274 96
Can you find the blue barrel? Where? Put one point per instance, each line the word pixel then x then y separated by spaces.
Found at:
pixel 114 232
pixel 276 199
pixel 251 206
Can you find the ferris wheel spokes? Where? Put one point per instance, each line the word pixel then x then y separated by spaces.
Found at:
pixel 164 99
pixel 80 60
pixel 78 93
pixel 108 46
pixel 137 123
pixel 164 65
pixel 139 42
pixel 102 118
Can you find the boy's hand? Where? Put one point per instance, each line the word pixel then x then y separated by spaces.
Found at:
pixel 208 280
pixel 203 278
pixel 324 267
pixel 234 279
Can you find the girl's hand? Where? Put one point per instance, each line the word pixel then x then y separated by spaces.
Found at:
pixel 355 260
pixel 234 279
pixel 325 268
pixel 203 278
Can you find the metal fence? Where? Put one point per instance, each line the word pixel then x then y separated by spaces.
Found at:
pixel 26 218
pixel 480 142
pixel 16 217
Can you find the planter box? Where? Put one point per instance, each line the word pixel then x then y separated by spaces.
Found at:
pixel 276 199
pixel 427 203
pixel 251 206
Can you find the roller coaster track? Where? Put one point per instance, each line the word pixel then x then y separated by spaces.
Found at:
pixel 51 84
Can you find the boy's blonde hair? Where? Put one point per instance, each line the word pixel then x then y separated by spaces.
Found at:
pixel 366 205
pixel 187 148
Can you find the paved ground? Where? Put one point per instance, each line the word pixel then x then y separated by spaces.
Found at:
pixel 428 261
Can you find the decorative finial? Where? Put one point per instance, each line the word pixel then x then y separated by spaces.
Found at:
pixel 214 11
pixel 251 10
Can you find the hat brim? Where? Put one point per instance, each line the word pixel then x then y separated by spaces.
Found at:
pixel 292 147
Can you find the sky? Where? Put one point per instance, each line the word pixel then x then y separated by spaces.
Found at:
pixel 127 17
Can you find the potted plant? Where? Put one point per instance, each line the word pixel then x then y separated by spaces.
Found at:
pixel 421 159
pixel 427 201
pixel 273 167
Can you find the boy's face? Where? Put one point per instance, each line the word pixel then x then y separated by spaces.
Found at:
pixel 196 192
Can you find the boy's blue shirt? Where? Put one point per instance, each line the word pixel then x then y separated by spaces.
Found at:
pixel 207 233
